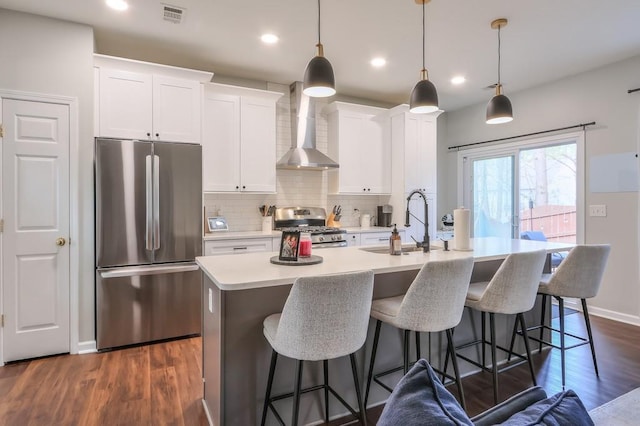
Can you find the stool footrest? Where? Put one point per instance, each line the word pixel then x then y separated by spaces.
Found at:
pixel 307 390
pixel 583 340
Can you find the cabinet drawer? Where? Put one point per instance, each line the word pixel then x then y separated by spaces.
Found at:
pixel 237 246
pixel 374 238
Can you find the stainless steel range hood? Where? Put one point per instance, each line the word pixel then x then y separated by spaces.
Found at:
pixel 303 154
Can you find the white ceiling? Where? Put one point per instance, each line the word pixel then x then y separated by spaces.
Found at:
pixel 544 41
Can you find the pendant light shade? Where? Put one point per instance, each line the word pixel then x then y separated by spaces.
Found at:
pixel 319 81
pixel 424 96
pixel 499 108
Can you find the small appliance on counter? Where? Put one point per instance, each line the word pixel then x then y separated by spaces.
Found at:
pixel 218 223
pixel 385 213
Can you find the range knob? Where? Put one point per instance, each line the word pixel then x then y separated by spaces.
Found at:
pixel 321 239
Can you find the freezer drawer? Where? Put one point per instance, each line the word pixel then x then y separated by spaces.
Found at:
pixel 147 303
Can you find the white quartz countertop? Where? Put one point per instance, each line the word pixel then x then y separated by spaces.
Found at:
pixel 254 270
pixel 235 235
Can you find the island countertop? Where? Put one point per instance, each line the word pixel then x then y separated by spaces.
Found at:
pixel 254 270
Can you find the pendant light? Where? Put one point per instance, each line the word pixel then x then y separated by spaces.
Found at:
pixel 424 97
pixel 499 108
pixel 318 77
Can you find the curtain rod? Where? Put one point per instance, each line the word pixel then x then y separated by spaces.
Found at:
pixel 583 125
pixel 633 90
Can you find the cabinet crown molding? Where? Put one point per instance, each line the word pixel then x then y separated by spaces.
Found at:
pixel 134 65
pixel 227 89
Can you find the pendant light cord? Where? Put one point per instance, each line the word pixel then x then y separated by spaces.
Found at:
pixel 499 27
pixel 423 35
pixel 319 22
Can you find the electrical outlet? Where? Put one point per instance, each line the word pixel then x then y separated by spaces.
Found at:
pixel 598 210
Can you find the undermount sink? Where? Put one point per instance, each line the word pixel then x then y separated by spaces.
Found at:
pixel 406 248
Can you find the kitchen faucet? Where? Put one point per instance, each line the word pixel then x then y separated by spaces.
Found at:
pixel 425 243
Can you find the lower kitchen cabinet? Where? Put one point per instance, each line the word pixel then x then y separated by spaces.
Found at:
pixel 240 246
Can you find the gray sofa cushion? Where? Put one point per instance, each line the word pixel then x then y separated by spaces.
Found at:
pixel 419 399
pixel 564 408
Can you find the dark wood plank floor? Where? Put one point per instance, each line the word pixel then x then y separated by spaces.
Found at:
pixel 161 383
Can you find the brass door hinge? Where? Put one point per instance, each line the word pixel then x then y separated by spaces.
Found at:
pixel 1 131
pixel 2 320
pixel 1 226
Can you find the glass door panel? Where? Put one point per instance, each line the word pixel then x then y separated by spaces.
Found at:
pixel 493 204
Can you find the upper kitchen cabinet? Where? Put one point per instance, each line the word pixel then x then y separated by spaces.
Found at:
pixel 238 139
pixel 140 100
pixel 359 142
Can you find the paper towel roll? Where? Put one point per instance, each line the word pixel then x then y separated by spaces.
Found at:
pixel 461 229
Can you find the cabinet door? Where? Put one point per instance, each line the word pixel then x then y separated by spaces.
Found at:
pixel 258 145
pixel 176 109
pixel 221 143
pixel 420 154
pixel 375 157
pixel 125 104
pixel 350 133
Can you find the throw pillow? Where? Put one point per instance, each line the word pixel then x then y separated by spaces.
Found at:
pixel 420 399
pixel 564 408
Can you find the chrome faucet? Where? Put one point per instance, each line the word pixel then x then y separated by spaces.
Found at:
pixel 425 243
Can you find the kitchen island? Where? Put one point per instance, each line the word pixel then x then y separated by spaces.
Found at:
pixel 239 291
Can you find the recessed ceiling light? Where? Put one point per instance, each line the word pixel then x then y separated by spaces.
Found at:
pixel 378 62
pixel 269 38
pixel 459 79
pixel 118 4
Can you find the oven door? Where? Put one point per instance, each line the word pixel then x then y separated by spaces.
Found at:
pixel 329 244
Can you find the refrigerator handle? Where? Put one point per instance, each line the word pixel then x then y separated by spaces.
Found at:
pixel 156 202
pixel 135 271
pixel 148 237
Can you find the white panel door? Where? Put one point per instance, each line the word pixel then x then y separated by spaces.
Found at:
pixel 125 104
pixel 176 109
pixel 35 194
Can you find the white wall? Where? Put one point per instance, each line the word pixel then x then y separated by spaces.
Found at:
pixel 46 56
pixel 599 95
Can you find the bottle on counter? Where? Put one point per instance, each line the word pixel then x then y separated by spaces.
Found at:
pixel 305 245
pixel 395 242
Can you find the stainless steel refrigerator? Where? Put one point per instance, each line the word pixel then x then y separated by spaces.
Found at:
pixel 148 233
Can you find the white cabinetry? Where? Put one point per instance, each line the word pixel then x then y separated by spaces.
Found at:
pixel 353 239
pixel 238 139
pixel 359 142
pixel 138 100
pixel 247 245
pixel 415 149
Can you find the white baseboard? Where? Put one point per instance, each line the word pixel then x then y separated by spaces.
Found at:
pixel 604 313
pixel 88 347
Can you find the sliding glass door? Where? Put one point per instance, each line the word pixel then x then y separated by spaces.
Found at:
pixel 524 190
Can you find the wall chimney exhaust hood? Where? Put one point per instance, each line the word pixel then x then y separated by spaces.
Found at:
pixel 303 154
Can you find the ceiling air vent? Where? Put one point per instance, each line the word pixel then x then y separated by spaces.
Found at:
pixel 172 14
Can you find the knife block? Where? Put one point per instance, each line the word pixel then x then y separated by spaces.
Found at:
pixel 331 221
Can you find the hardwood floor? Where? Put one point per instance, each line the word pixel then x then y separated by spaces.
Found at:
pixel 161 384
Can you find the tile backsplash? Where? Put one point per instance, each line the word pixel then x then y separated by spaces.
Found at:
pixel 293 187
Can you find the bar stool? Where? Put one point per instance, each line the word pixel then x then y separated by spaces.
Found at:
pixel 512 290
pixel 578 276
pixel 434 302
pixel 324 317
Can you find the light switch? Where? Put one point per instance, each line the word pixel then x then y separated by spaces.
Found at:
pixel 598 210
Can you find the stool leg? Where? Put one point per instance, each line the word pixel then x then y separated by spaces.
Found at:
pixel 542 321
pixel 494 368
pixel 446 359
pixel 272 369
pixel 417 346
pixel 325 365
pixel 484 338
pixel 296 393
pixel 513 339
pixel 561 309
pixel 585 312
pixel 452 350
pixel 525 336
pixel 376 336
pixel 406 351
pixel 354 370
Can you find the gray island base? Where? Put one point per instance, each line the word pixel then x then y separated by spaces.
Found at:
pixel 239 291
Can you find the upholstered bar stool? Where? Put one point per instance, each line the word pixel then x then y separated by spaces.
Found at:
pixel 512 290
pixel 324 317
pixel 434 302
pixel 578 276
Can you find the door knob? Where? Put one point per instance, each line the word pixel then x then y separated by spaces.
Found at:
pixel 61 241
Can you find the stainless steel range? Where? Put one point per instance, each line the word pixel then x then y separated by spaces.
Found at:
pixel 311 220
